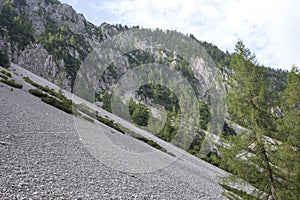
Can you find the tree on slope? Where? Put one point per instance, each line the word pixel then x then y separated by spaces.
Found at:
pixel 287 153
pixel 249 104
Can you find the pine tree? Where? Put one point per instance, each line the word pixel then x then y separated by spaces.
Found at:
pixel 247 156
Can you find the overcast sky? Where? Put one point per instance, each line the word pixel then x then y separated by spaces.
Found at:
pixel 270 28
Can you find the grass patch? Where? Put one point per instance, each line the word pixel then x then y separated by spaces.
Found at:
pixel 12 83
pixel 7 73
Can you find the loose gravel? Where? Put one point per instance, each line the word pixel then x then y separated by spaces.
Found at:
pixel 43 156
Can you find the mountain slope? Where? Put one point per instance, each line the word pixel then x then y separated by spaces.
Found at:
pixel 42 156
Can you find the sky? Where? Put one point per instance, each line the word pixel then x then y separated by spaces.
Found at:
pixel 269 28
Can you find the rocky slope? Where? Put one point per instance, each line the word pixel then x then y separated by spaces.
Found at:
pixel 43 156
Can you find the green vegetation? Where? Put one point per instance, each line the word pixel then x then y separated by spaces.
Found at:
pixel 58 100
pixel 3 76
pixel 4 61
pixel 237 194
pixel 204 115
pixel 62 43
pixel 46 89
pixel 37 93
pixel 150 142
pixel 110 123
pixel 64 106
pixel 267 155
pixel 139 113
pixel 8 74
pixel 287 155
pixel 106 100
pixel 12 83
pixel 19 27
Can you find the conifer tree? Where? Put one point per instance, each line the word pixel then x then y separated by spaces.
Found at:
pixel 287 153
pixel 247 156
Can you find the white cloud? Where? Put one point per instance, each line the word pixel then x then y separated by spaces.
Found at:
pixel 270 28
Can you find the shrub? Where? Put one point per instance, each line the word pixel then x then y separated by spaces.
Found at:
pixel 52 92
pixel 37 93
pixel 109 123
pixel 6 73
pixel 150 142
pixel 12 83
pixel 2 76
pixel 4 61
pixel 58 104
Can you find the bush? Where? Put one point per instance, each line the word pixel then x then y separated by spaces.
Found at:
pixel 37 93
pixel 150 142
pixel 6 73
pixel 4 61
pixel 2 76
pixel 109 123
pixel 58 104
pixel 52 92
pixel 12 83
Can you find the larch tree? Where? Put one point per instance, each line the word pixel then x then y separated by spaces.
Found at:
pixel 287 153
pixel 247 155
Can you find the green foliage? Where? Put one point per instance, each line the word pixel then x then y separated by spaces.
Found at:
pixel 4 61
pixel 109 123
pixel 204 115
pixel 227 130
pixel 139 113
pixel 37 93
pixel 159 95
pixel 19 27
pixel 150 142
pixel 168 132
pixel 287 153
pixel 3 76
pixel 46 89
pixel 8 74
pixel 12 83
pixel 62 43
pixel 249 105
pixel 235 192
pixel 195 147
pixel 62 105
pixel 106 100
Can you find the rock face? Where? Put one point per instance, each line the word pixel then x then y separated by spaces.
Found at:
pixel 48 17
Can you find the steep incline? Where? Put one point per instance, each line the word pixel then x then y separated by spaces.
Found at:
pixel 42 157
